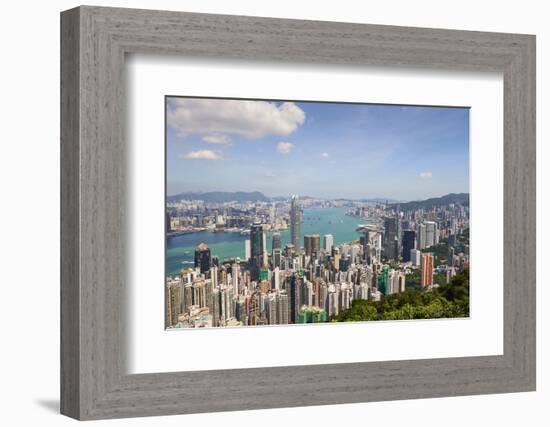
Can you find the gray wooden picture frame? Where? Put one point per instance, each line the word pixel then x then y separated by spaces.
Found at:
pixel 94 381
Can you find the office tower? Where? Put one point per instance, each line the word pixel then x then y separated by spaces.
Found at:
pixel 276 259
pixel 382 281
pixel 257 237
pixel 187 298
pixel 427 270
pixel 276 249
pixel 421 238
pixel 328 242
pixel 173 302
pixel 214 275
pixel 431 233
pixel 409 242
pixel 235 278
pixel 307 294
pixel 271 309
pixel 247 250
pixel 295 288
pixel 295 222
pixel 450 256
pixel 283 308
pixel 276 279
pixel 208 292
pixel 215 307
pixel 399 236
pixel 312 244
pixel 355 250
pixel 391 235
pixel 264 242
pixel 202 257
pixel 332 301
pixel 367 245
pixel 415 257
pixel 275 241
pixel 253 310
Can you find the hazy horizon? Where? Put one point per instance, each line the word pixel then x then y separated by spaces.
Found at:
pixel 310 196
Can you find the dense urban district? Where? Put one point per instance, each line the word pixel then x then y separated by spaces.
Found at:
pixel 409 261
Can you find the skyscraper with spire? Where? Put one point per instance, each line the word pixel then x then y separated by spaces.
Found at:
pixel 295 222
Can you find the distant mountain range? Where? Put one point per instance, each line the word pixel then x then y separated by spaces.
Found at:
pixel 379 200
pixel 257 196
pixel 220 197
pixel 457 198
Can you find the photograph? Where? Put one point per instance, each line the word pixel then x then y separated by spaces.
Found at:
pixel 284 212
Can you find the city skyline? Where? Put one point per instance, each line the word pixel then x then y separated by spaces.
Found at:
pixel 309 148
pixel 317 212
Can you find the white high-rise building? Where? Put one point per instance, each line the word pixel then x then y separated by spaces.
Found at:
pixel 328 242
pixel 276 279
pixel 247 252
pixel 415 257
pixel 235 278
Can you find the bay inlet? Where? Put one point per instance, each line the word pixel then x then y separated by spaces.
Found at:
pixel 180 249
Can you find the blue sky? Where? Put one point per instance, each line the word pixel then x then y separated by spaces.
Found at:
pixel 317 149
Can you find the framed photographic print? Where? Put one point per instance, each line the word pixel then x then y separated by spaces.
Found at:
pixel 329 253
pixel 288 213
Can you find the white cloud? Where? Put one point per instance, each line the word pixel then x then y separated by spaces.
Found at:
pixel 426 175
pixel 284 147
pixel 250 119
pixel 324 155
pixel 201 155
pixel 217 139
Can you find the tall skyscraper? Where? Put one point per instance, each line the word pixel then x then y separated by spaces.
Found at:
pixel 173 300
pixel 247 250
pixel 328 242
pixel 421 236
pixel 427 270
pixel 392 236
pixel 295 222
pixel 235 278
pixel 276 258
pixel 295 285
pixel 283 308
pixel 382 281
pixel 431 233
pixel 276 241
pixel 257 245
pixel 312 244
pixel 202 257
pixel 409 242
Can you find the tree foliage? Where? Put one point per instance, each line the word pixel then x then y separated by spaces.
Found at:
pixel 446 301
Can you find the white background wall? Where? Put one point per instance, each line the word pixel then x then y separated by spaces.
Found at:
pixel 29 214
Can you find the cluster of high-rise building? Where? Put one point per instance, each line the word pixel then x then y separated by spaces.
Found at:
pixel 313 279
